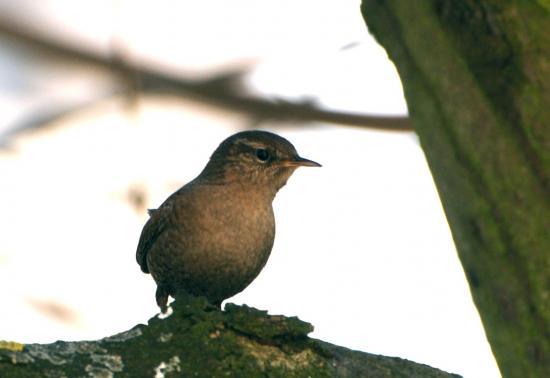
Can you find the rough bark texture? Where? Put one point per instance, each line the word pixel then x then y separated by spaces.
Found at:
pixel 476 76
pixel 198 340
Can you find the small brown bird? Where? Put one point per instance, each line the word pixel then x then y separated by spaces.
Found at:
pixel 214 235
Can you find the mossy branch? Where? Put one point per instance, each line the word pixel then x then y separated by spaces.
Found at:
pixel 202 341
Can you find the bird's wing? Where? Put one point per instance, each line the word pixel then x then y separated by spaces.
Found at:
pixel 154 227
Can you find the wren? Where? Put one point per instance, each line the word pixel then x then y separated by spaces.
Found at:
pixel 213 236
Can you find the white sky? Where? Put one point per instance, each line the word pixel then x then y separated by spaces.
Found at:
pixel 362 251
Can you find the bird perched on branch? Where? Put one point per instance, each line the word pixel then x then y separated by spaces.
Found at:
pixel 214 235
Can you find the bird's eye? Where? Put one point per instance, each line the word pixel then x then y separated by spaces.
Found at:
pixel 262 154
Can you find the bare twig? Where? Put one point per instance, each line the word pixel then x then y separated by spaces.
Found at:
pixel 222 95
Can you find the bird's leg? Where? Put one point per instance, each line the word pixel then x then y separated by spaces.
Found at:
pixel 162 298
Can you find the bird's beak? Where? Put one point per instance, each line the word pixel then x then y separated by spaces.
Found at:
pixel 300 162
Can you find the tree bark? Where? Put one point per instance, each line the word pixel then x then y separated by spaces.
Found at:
pixel 476 76
pixel 199 340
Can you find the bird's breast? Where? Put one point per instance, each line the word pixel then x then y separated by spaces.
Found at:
pixel 229 229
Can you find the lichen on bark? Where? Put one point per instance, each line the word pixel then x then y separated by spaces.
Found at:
pixel 200 340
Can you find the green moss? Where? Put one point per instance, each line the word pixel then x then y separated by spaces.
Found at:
pixel 200 340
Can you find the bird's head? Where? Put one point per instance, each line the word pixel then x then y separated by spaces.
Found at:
pixel 257 158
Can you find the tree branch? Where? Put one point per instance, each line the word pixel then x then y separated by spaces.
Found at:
pixel 214 90
pixel 202 341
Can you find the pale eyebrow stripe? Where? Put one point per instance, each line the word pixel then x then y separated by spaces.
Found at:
pixel 251 143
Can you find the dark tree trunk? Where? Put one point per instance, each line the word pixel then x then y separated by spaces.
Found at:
pixel 476 76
